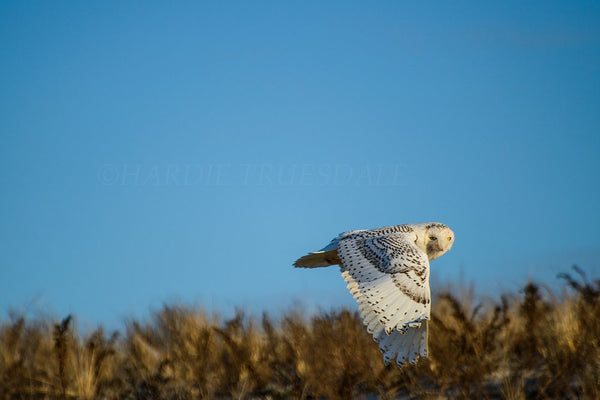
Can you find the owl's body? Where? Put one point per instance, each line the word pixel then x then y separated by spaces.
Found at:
pixel 387 272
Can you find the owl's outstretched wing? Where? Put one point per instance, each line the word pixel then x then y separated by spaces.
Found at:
pixel 388 276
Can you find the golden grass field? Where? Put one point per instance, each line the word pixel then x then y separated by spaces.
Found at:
pixel 532 344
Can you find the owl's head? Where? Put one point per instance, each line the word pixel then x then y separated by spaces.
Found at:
pixel 438 240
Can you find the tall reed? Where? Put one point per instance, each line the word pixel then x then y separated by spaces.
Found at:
pixel 533 344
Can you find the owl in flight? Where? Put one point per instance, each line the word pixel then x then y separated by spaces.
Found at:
pixel 387 272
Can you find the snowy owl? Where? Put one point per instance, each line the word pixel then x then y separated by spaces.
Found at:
pixel 387 272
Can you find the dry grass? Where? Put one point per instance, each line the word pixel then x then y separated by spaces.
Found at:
pixel 528 345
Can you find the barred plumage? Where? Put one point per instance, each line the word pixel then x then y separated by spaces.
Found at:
pixel 387 271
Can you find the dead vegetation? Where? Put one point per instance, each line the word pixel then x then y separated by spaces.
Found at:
pixel 529 345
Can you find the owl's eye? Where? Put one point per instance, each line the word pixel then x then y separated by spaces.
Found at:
pixel 432 238
pixel 449 237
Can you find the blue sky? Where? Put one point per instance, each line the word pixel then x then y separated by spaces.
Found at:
pixel 156 152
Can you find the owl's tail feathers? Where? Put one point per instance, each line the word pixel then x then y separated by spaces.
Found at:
pixel 318 259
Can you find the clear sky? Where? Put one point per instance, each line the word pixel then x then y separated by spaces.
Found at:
pixel 190 151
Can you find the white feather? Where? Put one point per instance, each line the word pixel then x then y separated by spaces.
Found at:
pixel 387 272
